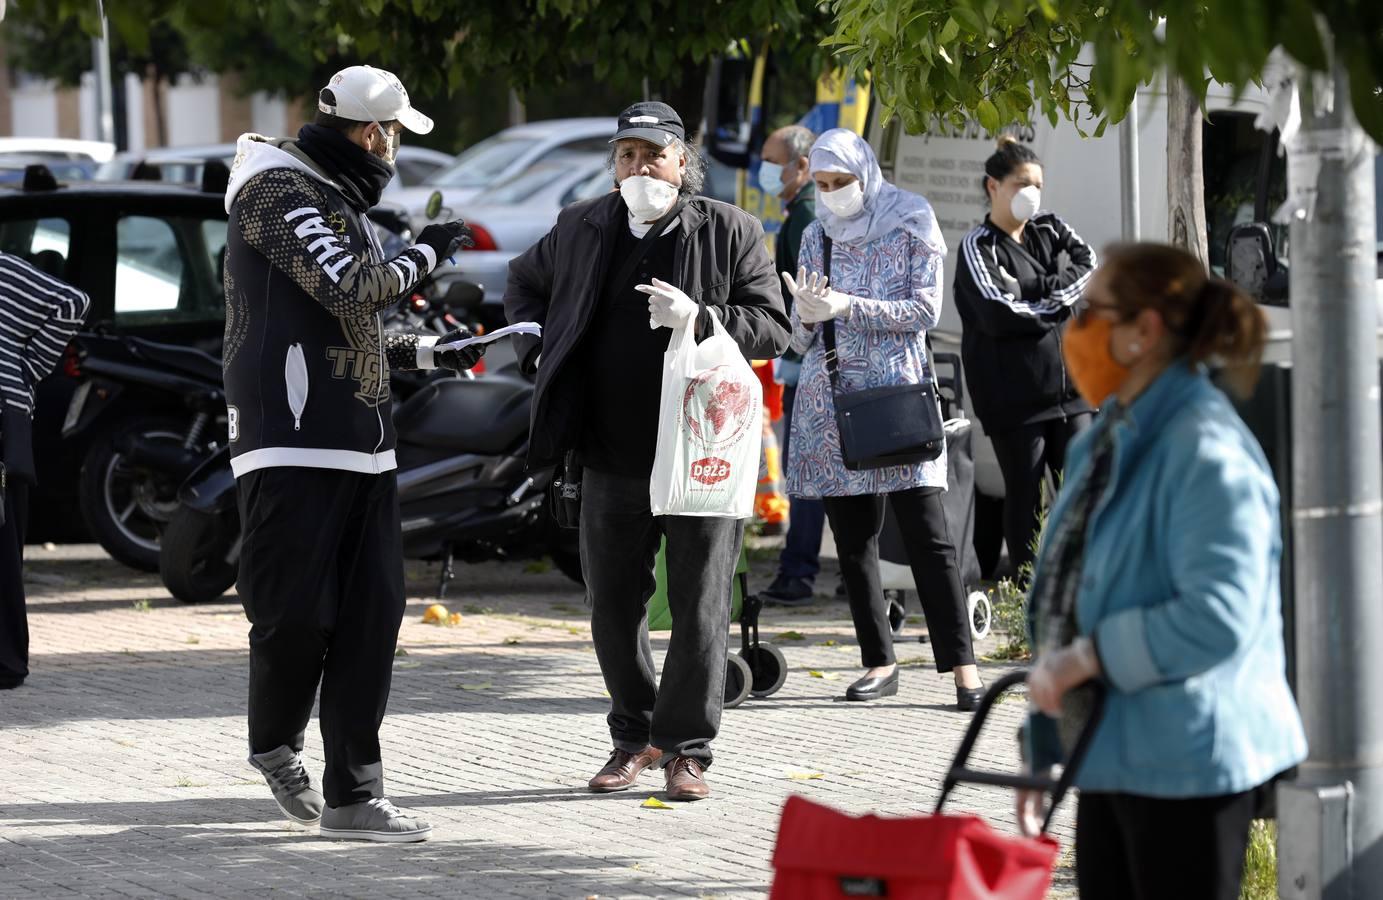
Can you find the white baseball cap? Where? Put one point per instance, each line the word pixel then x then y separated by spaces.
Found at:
pixel 367 94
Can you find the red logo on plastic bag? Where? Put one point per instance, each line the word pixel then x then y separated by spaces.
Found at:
pixel 711 470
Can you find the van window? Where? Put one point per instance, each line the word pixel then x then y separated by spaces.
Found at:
pixel 1233 156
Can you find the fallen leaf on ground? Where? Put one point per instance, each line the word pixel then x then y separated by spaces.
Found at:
pixel 830 643
pixel 510 642
pixel 400 652
pixel 791 636
pixel 806 776
pixel 654 803
pixel 825 676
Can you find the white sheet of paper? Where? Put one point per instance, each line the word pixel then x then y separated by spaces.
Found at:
pixel 517 328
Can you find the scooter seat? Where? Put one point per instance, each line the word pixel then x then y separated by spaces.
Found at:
pixel 487 416
pixel 189 360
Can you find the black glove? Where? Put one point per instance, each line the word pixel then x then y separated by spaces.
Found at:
pixel 458 360
pixel 445 237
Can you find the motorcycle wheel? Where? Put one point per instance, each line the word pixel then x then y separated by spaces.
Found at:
pixel 126 510
pixel 200 555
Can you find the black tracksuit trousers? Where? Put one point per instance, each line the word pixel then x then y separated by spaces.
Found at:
pixel 14 619
pixel 321 579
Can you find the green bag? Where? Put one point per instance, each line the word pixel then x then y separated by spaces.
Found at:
pixel 660 617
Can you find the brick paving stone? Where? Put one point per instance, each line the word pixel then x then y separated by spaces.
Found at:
pixel 122 761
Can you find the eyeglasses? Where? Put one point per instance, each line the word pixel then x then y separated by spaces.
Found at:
pixel 1085 307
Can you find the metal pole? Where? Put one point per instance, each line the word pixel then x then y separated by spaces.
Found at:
pixel 1128 171
pixel 1331 818
pixel 105 114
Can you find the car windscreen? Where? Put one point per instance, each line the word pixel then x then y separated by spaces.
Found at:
pixel 481 164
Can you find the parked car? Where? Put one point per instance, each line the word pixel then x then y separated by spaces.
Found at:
pixel 149 255
pixel 506 154
pixel 68 160
pixel 510 217
pixel 185 164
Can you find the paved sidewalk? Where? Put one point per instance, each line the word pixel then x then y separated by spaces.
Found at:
pixel 122 768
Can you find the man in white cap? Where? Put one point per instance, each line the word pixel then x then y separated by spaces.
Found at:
pixel 306 366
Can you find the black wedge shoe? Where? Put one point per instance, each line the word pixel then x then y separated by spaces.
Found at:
pixel 873 688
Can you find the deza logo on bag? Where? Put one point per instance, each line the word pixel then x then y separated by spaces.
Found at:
pixel 711 470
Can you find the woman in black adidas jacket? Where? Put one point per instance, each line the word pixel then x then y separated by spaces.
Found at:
pixel 1019 275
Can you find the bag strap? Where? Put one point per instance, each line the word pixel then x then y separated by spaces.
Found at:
pixel 828 333
pixel 828 328
pixel 645 244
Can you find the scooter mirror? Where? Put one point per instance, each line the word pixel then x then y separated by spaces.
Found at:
pixel 434 205
pixel 464 295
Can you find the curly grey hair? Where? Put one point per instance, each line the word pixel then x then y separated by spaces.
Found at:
pixel 693 176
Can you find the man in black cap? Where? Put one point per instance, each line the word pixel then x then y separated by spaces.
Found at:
pixel 607 283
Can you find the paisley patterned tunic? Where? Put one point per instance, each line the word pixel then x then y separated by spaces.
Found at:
pixel 896 283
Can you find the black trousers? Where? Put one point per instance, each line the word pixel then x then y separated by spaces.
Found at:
pixel 321 579
pixel 619 546
pixel 856 522
pixel 14 619
pixel 1025 455
pixel 1148 848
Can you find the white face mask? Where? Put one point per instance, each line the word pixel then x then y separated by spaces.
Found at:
pixel 846 202
pixel 771 178
pixel 647 198
pixel 1025 203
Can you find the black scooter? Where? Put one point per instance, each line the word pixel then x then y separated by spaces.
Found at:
pixel 463 491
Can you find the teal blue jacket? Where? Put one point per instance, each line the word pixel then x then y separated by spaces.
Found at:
pixel 1179 591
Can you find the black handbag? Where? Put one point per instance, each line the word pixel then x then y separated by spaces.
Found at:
pixel 565 494
pixel 896 425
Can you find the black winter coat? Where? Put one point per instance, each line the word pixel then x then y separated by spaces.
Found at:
pixel 558 283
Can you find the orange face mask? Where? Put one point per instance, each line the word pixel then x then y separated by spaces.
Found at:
pixel 1085 347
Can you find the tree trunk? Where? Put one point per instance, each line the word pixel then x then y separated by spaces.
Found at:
pixel 518 113
pixel 1185 176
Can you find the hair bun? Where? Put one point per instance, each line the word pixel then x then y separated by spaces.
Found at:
pixel 1004 140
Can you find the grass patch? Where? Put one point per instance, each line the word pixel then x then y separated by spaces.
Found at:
pixel 143 605
pixel 539 567
pixel 1260 863
pixel 790 636
pixel 472 609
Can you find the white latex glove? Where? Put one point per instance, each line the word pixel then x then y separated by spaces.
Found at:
pixel 816 302
pixel 1009 283
pixel 1058 672
pixel 668 306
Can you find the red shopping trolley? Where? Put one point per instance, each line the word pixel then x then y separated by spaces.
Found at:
pixel 824 854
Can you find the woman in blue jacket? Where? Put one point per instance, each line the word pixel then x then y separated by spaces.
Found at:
pixel 1158 576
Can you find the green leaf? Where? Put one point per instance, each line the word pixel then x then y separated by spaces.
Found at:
pixel 949 32
pixel 1099 129
pixel 969 19
pixel 988 115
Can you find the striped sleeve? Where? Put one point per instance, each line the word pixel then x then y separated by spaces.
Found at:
pixel 38 316
pixel 1059 289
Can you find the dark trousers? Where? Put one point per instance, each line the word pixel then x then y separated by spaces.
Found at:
pixel 1025 455
pixel 321 579
pixel 1146 848
pixel 856 522
pixel 801 556
pixel 619 546
pixel 14 620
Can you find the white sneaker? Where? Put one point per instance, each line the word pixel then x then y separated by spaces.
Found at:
pixel 373 820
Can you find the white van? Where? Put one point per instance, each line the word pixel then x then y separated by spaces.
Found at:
pixel 1245 181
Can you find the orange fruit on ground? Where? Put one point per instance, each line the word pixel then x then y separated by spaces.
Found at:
pixel 436 614
pixel 454 619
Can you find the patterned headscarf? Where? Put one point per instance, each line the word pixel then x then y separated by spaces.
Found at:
pixel 885 207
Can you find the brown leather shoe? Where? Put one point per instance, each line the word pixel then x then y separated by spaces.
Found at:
pixel 623 770
pixel 685 780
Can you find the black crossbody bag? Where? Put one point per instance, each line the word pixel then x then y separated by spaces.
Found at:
pixel 565 493
pixel 897 425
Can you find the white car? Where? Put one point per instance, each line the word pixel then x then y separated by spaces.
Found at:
pixel 184 164
pixel 513 215
pixel 506 154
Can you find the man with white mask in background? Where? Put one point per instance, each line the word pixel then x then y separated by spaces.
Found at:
pixel 608 284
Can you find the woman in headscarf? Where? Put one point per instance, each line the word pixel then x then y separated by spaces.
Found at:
pixel 882 290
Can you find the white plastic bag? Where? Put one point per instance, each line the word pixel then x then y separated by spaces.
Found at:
pixel 710 426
